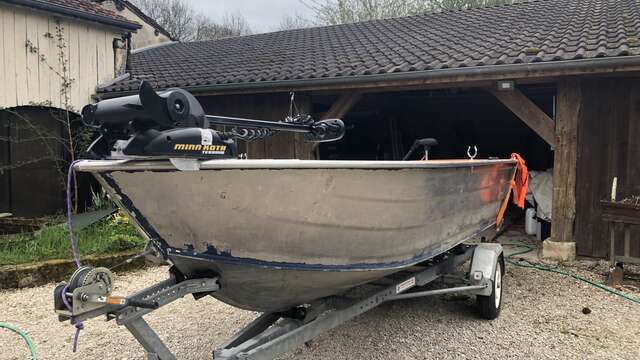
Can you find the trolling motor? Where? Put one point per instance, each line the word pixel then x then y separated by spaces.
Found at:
pixel 173 124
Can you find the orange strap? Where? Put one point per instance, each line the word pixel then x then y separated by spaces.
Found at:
pixel 519 185
pixel 522 181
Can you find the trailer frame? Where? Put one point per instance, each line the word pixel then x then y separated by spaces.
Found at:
pixel 272 334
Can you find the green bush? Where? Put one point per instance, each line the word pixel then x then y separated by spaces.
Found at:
pixel 111 235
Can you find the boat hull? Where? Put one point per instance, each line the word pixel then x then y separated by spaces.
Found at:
pixel 284 233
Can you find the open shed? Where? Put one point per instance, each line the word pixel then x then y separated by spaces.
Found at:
pixel 553 80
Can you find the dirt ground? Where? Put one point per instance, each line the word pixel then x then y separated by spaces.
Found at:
pixel 542 318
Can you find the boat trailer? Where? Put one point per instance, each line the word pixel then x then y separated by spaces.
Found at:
pixel 88 295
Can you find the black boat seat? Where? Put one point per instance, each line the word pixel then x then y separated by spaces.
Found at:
pixel 426 143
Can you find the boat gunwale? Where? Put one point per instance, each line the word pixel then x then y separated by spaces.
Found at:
pixel 288 164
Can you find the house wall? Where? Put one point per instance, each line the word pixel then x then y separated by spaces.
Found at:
pixel 26 80
pixel 147 35
pixel 608 147
pixel 142 37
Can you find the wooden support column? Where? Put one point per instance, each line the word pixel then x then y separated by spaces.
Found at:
pixel 561 246
pixel 528 112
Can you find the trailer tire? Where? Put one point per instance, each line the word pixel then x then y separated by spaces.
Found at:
pixel 489 306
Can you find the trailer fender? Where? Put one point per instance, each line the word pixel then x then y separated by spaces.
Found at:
pixel 483 264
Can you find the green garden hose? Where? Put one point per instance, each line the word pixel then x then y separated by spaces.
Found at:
pixel 24 335
pixel 527 264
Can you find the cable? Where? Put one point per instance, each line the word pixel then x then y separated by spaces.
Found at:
pixel 24 336
pixel 531 265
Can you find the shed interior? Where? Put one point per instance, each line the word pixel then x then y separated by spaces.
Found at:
pixel 383 126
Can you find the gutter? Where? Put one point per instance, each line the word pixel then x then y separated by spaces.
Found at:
pixel 596 66
pixel 76 13
pixel 108 83
pixel 152 46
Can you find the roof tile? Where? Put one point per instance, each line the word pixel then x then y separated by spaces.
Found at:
pixel 89 7
pixel 525 32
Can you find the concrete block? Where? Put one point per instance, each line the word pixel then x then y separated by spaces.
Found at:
pixel 560 251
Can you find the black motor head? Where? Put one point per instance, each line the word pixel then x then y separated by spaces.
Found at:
pixel 125 117
pixel 147 110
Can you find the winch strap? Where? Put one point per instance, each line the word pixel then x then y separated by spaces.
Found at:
pixel 521 185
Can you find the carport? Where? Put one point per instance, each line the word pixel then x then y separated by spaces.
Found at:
pixel 543 79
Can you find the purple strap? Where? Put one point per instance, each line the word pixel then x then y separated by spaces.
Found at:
pixel 79 325
pixel 72 236
pixel 74 251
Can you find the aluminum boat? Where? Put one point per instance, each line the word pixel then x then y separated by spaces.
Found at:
pixel 280 233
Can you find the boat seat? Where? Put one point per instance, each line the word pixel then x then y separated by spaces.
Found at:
pixel 428 142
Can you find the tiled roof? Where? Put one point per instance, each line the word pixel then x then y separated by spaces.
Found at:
pixel 83 9
pixel 523 33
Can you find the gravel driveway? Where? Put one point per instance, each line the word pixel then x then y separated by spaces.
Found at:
pixel 542 319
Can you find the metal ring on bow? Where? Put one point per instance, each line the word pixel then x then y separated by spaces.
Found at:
pixel 475 153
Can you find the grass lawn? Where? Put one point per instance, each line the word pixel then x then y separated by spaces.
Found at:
pixel 111 235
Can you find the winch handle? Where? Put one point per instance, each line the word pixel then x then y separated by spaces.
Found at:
pixel 122 301
pixel 143 304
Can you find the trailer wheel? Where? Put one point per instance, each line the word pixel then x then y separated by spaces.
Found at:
pixel 489 306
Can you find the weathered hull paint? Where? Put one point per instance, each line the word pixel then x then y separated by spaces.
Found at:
pixel 284 233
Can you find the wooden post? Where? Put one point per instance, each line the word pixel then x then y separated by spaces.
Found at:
pixel 528 112
pixel 562 243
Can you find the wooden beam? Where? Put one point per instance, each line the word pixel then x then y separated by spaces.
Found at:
pixel 338 110
pixel 342 106
pixel 528 112
pixel 565 161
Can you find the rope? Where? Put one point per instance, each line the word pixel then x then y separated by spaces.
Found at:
pixel 24 336
pixel 531 265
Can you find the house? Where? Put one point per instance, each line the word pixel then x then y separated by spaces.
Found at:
pixel 53 55
pixel 554 80
pixel 151 33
